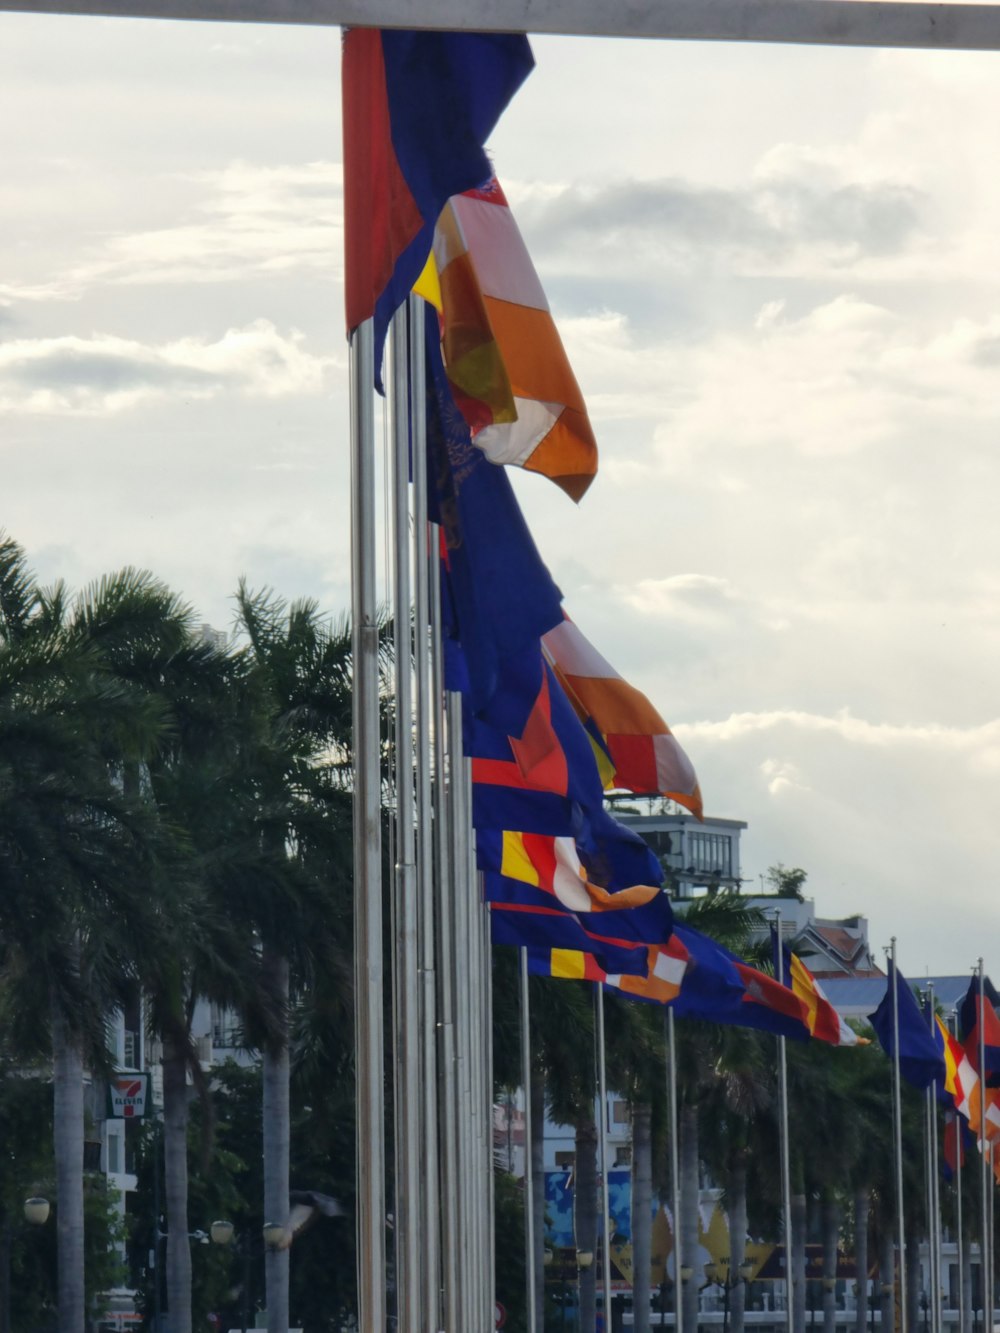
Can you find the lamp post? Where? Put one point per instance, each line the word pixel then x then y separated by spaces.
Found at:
pixel 720 1276
pixel 36 1214
pixel 273 1236
pixel 584 1259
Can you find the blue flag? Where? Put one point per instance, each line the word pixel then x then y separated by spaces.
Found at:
pixel 921 1063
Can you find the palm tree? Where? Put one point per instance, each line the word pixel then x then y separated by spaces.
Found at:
pixel 297 755
pixel 73 846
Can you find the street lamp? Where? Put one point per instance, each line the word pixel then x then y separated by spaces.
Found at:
pixel 274 1237
pixel 723 1278
pixel 36 1214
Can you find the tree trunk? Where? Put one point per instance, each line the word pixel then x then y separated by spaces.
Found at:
pixel 913 1284
pixel 737 1239
pixel 798 1257
pixel 861 1258
pixel 687 1223
pixel 585 1207
pixel 537 1112
pixel 67 1080
pixel 277 1141
pixel 642 1213
pixel 175 1170
pixel 831 1234
pixel 887 1274
pixel 966 1280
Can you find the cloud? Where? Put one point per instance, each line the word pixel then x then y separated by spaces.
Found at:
pixel 245 221
pixel 103 374
pixel 972 742
pixel 770 222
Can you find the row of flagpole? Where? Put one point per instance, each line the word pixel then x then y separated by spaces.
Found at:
pixel 442 1215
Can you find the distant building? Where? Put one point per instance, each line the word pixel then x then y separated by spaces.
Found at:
pixel 699 856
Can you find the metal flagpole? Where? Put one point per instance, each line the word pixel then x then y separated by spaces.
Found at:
pixel 407 1106
pixel 529 1175
pixel 897 1106
pixel 602 1093
pixel 675 1168
pixel 934 1197
pixel 959 1225
pixel 445 948
pixel 984 1154
pixel 369 1038
pixel 424 699
pixel 786 1170
pixel 456 962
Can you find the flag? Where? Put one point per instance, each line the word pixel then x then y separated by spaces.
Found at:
pixel 920 1060
pixel 950 1090
pixel 722 988
pixel 508 370
pixel 550 785
pixel 661 984
pixel 554 929
pixel 418 108
pixel 634 746
pixel 825 1024
pixel 498 597
pixel 543 865
pixel 973 1012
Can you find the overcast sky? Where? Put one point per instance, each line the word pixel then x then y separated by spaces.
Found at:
pixel 776 274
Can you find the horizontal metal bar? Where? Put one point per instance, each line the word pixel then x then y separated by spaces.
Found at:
pixel 888 23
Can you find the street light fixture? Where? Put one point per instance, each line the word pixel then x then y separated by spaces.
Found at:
pixel 36 1214
pixel 36 1211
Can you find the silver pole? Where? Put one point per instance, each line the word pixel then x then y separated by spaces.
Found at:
pixel 368 983
pixel 602 1095
pixel 486 935
pixel 422 536
pixel 897 1108
pixel 457 963
pixel 529 1175
pixel 984 1154
pixel 786 1167
pixel 959 1224
pixel 445 948
pixel 675 1168
pixel 934 1190
pixel 407 988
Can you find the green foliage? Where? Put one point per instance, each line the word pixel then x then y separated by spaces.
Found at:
pixel 786 882
pixel 508 1213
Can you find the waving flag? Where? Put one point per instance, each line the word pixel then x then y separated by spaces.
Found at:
pixel 978 1015
pixel 553 929
pixel 499 598
pixel 921 1062
pixel 825 1024
pixel 722 988
pixel 534 869
pixel 635 748
pixel 660 986
pixel 509 373
pixel 418 108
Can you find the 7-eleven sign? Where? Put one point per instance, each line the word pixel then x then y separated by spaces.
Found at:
pixel 128 1096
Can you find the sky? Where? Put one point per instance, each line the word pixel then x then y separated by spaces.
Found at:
pixel 775 272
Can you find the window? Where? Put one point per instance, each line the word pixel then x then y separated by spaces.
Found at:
pixel 623 1157
pixel 620 1113
pixel 711 854
pixel 114 1153
pixel 566 1159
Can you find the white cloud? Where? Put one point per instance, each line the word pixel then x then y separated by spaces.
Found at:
pixel 103 374
pixel 248 220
